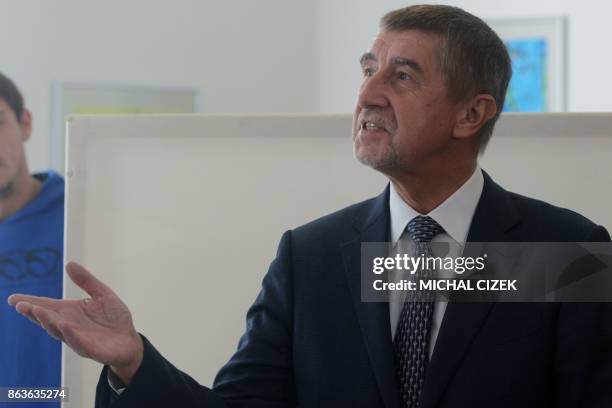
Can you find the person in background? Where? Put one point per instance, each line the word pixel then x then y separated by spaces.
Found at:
pixel 31 250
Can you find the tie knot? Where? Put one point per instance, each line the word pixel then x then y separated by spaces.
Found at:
pixel 423 229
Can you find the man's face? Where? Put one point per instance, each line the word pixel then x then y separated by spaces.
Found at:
pixel 403 118
pixel 13 135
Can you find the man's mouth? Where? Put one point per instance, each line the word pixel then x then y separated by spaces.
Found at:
pixel 367 125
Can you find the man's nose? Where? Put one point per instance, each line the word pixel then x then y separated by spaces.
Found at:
pixel 373 91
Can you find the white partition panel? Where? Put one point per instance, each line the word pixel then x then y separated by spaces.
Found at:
pixel 181 215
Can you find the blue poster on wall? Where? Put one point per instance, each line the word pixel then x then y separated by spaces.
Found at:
pixel 527 90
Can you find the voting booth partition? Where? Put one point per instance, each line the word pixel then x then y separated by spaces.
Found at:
pixel 181 214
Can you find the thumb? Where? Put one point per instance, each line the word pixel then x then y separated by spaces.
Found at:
pixel 86 280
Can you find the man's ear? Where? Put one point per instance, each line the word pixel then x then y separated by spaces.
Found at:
pixel 474 114
pixel 26 124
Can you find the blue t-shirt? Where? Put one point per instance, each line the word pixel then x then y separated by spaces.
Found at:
pixel 31 262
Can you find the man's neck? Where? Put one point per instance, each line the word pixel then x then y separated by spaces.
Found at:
pixel 425 193
pixel 18 194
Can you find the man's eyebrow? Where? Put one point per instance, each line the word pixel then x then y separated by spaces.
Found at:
pixel 409 62
pixel 368 56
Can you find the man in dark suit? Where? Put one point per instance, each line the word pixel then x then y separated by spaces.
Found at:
pixel 434 84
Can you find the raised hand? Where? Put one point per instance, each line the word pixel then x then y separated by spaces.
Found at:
pixel 99 327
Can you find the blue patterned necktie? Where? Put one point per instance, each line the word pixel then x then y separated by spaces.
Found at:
pixel 411 342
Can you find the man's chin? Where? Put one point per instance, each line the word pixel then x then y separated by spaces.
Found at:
pixel 381 161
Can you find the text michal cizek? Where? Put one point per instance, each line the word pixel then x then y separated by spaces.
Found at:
pixel 448 285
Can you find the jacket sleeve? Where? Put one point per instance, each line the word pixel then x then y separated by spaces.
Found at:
pixel 259 374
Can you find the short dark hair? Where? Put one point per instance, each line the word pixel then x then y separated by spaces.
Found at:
pixel 473 59
pixel 11 95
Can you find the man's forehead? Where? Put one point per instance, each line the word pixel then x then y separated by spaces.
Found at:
pixel 395 43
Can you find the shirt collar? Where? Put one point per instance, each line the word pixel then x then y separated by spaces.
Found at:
pixel 454 214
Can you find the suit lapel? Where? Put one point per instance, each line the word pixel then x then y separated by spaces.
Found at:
pixel 373 317
pixel 494 216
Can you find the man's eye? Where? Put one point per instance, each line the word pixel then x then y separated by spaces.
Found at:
pixel 402 76
pixel 368 72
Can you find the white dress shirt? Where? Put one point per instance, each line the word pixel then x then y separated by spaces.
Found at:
pixel 455 216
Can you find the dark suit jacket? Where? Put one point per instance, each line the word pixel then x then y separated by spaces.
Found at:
pixel 310 341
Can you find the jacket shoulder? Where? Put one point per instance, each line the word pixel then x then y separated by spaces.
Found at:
pixel 337 221
pixel 550 222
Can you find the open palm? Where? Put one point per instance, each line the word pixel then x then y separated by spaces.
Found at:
pixel 99 327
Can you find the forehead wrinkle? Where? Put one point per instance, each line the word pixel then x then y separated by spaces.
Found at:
pixel 416 38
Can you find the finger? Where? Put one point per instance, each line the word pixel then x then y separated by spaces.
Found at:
pixel 25 309
pixel 86 281
pixel 34 300
pixel 48 320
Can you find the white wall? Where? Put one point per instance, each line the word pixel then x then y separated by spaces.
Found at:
pixel 243 55
pixel 347 27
